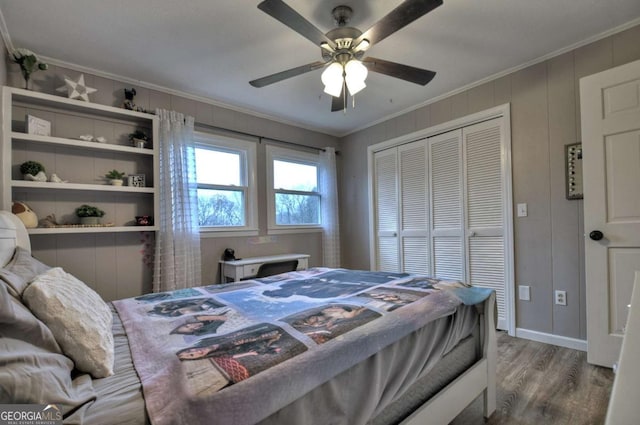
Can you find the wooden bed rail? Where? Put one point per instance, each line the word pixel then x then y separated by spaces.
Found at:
pixel 478 379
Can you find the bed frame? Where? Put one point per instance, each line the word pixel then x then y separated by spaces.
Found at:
pixel 480 379
pixel 442 408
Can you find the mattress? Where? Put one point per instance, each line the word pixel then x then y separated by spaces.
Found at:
pixel 119 398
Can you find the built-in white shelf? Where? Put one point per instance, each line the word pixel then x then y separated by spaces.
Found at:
pixel 28 184
pixel 113 229
pixel 76 143
pixel 22 97
pixel 67 116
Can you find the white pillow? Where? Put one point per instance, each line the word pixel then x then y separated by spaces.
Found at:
pixel 79 319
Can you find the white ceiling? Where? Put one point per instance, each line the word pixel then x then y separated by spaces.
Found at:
pixel 213 48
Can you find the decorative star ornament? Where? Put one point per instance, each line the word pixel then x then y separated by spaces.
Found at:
pixel 76 89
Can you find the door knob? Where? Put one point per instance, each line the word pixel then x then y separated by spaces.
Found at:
pixel 596 235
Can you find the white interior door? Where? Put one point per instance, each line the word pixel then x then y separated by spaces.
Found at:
pixel 415 249
pixel 487 250
pixel 386 210
pixel 447 228
pixel 610 113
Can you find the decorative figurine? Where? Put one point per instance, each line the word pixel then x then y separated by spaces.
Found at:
pixel 49 221
pixel 91 138
pixel 76 89
pixel 55 179
pixel 128 101
pixel 26 214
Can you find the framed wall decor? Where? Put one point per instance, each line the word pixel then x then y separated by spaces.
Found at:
pixel 136 180
pixel 573 170
pixel 37 126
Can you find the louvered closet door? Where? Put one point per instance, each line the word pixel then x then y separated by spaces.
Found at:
pixel 445 153
pixel 443 208
pixel 386 210
pixel 414 208
pixel 484 210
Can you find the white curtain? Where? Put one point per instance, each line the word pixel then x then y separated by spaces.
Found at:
pixel 329 204
pixel 177 256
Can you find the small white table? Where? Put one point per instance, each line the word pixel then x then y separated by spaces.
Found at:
pixel 248 267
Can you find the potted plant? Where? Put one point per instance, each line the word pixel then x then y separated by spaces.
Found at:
pixel 29 63
pixel 33 170
pixel 138 138
pixel 115 176
pixel 89 214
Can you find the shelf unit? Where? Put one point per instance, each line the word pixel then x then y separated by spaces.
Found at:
pixel 80 162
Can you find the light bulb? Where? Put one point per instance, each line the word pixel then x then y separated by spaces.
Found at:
pixel 364 45
pixel 327 47
pixel 356 73
pixel 332 79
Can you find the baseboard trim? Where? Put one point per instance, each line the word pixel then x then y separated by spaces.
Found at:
pixel 562 341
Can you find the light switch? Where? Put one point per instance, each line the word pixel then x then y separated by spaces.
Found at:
pixel 524 292
pixel 522 210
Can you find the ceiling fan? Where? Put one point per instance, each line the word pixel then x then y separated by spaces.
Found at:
pixel 343 48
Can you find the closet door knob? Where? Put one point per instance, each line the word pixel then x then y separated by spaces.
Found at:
pixel 596 235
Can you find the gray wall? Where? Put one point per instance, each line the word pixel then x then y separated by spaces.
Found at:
pixel 545 115
pixel 112 264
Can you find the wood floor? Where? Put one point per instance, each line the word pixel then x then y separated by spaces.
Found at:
pixel 544 384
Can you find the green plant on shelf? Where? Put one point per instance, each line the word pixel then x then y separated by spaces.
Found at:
pixel 89 211
pixel 139 135
pixel 31 167
pixel 115 175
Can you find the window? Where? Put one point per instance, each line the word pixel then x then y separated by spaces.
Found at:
pixel 292 178
pixel 227 199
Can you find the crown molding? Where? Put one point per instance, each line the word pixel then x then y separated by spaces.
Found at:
pixel 186 95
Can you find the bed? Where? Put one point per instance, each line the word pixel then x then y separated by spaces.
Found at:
pixel 318 346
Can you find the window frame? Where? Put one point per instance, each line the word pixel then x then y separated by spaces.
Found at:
pixel 248 171
pixel 274 153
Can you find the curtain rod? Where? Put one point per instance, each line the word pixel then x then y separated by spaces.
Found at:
pixel 257 136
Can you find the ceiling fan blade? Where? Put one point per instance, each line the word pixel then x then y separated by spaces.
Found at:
pixel 283 75
pixel 338 103
pixel 407 12
pixel 397 70
pixel 285 14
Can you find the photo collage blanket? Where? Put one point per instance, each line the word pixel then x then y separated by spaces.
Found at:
pixel 198 349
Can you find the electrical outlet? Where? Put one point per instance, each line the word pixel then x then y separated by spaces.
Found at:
pixel 524 292
pixel 561 297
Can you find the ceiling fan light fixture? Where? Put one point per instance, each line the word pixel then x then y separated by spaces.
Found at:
pixel 364 45
pixel 355 86
pixel 327 47
pixel 355 76
pixel 332 79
